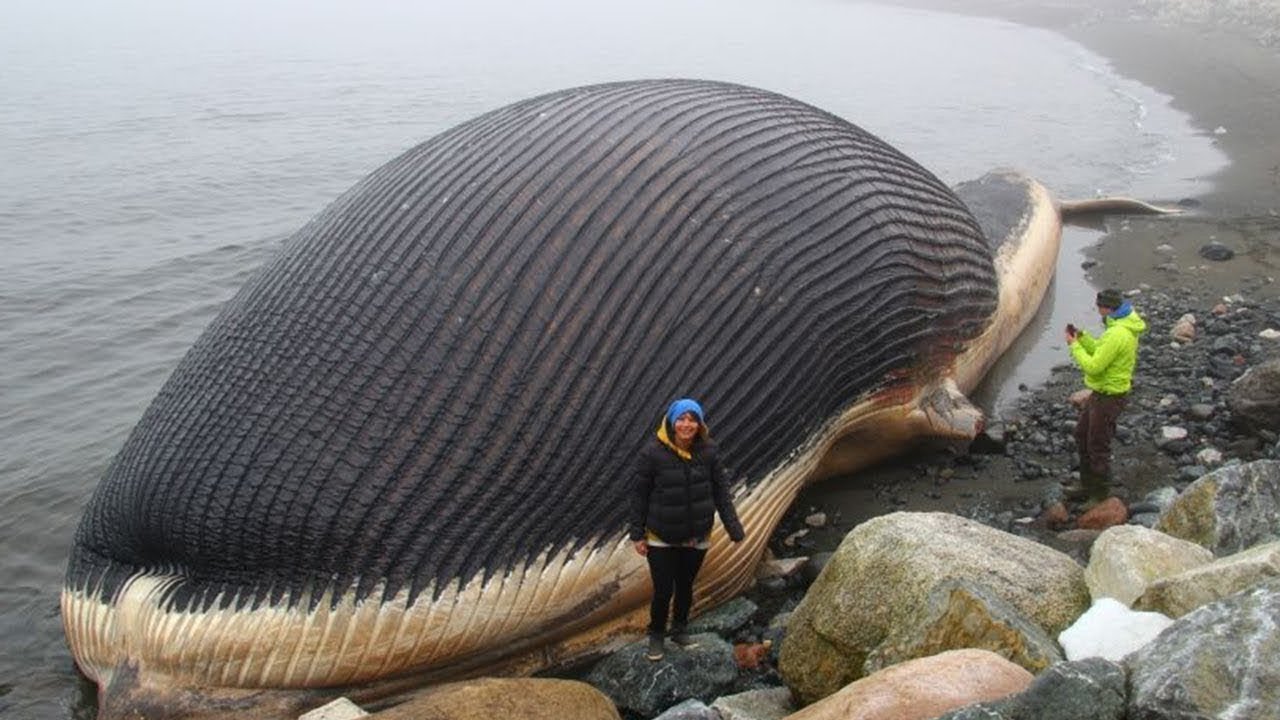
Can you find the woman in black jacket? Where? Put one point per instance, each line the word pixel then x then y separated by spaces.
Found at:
pixel 679 488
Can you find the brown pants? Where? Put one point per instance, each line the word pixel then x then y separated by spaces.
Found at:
pixel 1094 430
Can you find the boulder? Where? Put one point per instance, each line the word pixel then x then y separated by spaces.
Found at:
pixel 922 688
pixel 1179 594
pixel 763 704
pixel 1091 689
pixel 1126 559
pixel 962 614
pixel 1111 631
pixel 1254 398
pixel 647 688
pixel 487 698
pixel 1219 661
pixel 725 619
pixel 1228 510
pixel 885 570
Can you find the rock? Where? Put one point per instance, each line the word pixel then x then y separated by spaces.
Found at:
pixel 1163 497
pixel 1228 510
pixel 524 698
pixel 816 520
pixel 645 687
pixel 690 710
pixel 1184 330
pixel 780 567
pixel 961 614
pixel 749 656
pixel 1085 537
pixel 340 709
pixel 1054 517
pixel 923 688
pixel 1254 398
pixel 1170 434
pixel 1110 630
pixel 726 619
pixel 1217 252
pixel 1220 661
pixel 1125 560
pixel 1270 334
pixel 763 704
pixel 1209 457
pixel 1146 520
pixel 1089 689
pixel 1201 411
pixel 885 570
pixel 1179 594
pixel 1108 513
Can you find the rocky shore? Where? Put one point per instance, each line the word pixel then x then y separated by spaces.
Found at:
pixel 1150 604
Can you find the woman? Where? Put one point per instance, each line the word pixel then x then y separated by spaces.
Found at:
pixel 679 488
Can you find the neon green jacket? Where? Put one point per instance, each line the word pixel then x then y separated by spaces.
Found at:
pixel 1109 360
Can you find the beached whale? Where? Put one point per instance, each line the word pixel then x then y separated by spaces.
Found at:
pixel 402 452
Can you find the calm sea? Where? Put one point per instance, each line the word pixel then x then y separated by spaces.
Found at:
pixel 154 154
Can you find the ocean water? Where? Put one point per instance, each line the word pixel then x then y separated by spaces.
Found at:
pixel 155 154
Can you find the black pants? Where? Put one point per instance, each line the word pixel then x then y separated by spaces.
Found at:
pixel 1095 428
pixel 672 568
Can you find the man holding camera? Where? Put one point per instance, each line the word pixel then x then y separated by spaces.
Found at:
pixel 1108 363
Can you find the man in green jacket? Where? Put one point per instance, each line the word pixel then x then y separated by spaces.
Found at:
pixel 1108 363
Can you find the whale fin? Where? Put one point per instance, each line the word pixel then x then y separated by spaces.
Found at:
pixel 1111 206
pixel 944 412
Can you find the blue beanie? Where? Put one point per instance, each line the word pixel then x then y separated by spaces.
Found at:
pixel 682 406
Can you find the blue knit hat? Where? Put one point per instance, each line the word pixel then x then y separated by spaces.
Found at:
pixel 682 406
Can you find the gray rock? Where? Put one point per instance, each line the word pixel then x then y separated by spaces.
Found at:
pixel 1220 661
pixel 1226 345
pixel 725 619
pixel 1254 399
pixel 1201 411
pixel 1217 252
pixel 1089 689
pixel 1228 510
pixel 763 704
pixel 647 688
pixel 1163 497
pixel 1146 520
pixel 690 710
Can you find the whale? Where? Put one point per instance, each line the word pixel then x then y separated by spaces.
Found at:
pixel 402 452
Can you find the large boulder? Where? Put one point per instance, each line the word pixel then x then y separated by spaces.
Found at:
pixel 488 698
pixel 1254 398
pixel 1125 559
pixel 1228 510
pixel 1092 689
pixel 1179 594
pixel 647 688
pixel 962 614
pixel 922 688
pixel 885 571
pixel 1219 661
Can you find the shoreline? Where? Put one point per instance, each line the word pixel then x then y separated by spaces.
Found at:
pixel 1219 66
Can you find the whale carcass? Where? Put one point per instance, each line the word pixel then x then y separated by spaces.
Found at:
pixel 402 451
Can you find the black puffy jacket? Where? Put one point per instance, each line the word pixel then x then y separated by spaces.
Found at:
pixel 676 498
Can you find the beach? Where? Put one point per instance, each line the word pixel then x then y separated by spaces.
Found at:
pixel 1220 63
